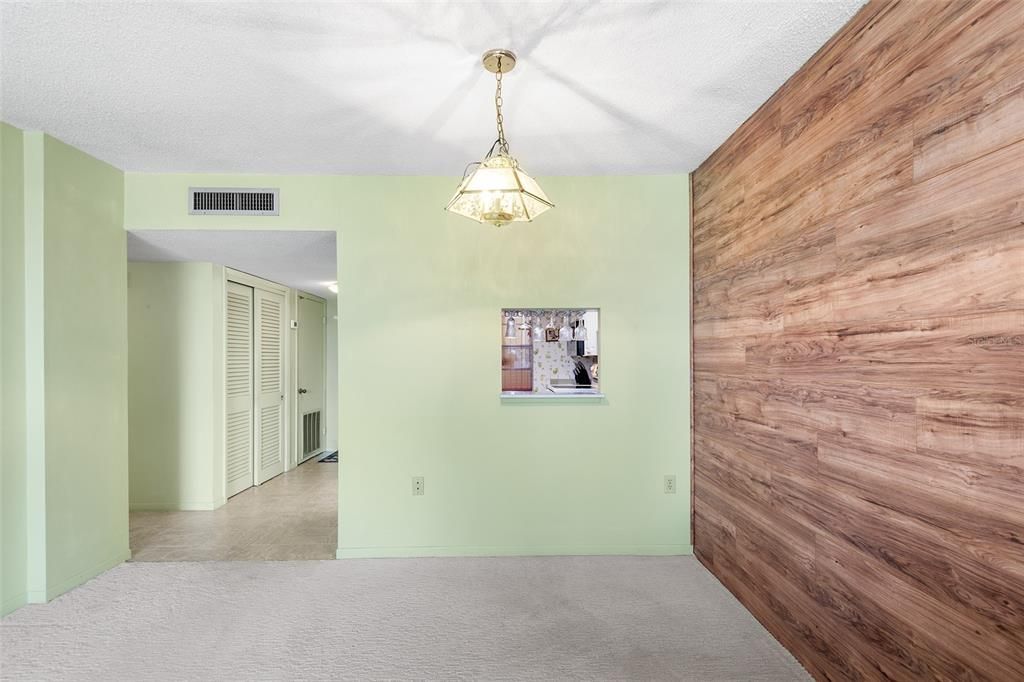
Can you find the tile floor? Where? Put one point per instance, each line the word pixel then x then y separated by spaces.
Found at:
pixel 293 516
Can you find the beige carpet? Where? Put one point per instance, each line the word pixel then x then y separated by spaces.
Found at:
pixel 473 618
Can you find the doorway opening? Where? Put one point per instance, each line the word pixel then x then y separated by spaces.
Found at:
pixel 232 395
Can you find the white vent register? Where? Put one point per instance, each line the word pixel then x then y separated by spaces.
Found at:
pixel 232 201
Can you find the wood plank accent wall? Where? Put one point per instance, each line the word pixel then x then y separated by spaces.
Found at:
pixel 858 302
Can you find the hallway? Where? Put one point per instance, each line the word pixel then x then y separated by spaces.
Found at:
pixel 293 516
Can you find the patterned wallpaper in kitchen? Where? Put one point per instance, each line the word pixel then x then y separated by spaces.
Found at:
pixel 550 361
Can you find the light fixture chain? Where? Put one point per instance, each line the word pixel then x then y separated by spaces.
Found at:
pixel 502 142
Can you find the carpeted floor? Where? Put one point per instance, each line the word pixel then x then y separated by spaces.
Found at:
pixel 491 618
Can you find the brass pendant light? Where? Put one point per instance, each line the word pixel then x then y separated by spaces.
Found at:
pixel 496 190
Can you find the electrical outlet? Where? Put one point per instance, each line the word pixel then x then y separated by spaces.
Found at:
pixel 417 485
pixel 670 484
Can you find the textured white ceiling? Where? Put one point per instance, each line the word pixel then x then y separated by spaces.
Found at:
pixel 397 88
pixel 301 259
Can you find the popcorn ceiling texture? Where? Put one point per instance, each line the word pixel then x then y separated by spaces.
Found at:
pixel 397 88
pixel 476 618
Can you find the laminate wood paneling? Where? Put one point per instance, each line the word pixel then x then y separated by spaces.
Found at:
pixel 858 352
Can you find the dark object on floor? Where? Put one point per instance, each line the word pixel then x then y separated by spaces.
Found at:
pixel 330 457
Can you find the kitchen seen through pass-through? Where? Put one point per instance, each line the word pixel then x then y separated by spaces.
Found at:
pixel 547 352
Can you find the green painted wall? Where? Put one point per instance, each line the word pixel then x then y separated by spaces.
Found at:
pixel 174 441
pixel 331 369
pixel 85 344
pixel 13 524
pixel 35 368
pixel 419 302
pixel 158 201
pixel 64 424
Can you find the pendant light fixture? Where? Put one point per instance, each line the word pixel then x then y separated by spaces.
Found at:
pixel 496 190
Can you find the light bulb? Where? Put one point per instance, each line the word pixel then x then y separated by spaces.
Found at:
pixel 496 209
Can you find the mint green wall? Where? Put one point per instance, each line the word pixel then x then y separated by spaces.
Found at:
pixel 64 355
pixel 35 368
pixel 419 302
pixel 159 201
pixel 85 344
pixel 13 523
pixel 173 359
pixel 331 369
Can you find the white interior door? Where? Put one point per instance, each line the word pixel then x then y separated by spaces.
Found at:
pixel 312 425
pixel 270 385
pixel 239 388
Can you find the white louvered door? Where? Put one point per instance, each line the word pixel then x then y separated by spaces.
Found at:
pixel 239 389
pixel 270 385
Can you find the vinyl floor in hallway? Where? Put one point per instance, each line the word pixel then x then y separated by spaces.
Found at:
pixel 292 516
pixel 514 618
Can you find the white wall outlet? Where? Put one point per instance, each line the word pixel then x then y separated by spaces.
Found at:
pixel 417 485
pixel 670 484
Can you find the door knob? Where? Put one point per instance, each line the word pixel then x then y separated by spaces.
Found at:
pixel 302 390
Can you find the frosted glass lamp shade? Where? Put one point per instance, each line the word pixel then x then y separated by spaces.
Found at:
pixel 499 192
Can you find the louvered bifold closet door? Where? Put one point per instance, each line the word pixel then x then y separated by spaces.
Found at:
pixel 239 389
pixel 269 344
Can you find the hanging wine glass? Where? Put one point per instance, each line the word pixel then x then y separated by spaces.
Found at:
pixel 580 333
pixel 565 334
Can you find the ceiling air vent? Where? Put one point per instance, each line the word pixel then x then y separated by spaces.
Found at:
pixel 232 201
